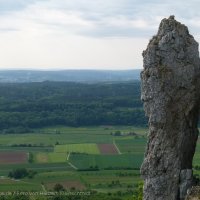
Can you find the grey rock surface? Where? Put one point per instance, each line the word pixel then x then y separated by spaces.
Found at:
pixel 170 92
pixel 186 179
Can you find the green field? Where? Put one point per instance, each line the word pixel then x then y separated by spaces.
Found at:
pixel 82 161
pixel 77 148
pixel 101 179
pixel 57 157
pixel 13 185
pixel 38 167
pixel 136 145
pixel 48 137
pixel 52 157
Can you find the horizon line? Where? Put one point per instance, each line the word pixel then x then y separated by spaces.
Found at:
pixel 52 69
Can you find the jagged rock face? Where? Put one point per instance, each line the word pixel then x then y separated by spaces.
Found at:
pixel 170 92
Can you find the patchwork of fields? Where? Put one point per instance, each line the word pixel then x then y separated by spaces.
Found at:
pixel 105 163
pixel 67 152
pixel 78 154
pixel 79 158
pixel 102 156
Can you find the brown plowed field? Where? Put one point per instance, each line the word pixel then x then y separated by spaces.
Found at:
pixel 107 149
pixel 13 157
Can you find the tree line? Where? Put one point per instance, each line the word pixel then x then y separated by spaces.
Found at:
pixel 26 106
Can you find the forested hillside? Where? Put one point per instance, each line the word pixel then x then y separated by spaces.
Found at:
pixel 25 106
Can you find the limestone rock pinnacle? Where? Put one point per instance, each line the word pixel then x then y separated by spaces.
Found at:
pixel 170 92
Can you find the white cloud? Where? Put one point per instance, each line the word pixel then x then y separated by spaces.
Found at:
pixel 70 52
pixel 84 33
pixel 124 22
pixel 87 18
pixel 97 18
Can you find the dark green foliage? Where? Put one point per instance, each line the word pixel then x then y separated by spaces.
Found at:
pixel 196 167
pixel 117 133
pixel 18 173
pixel 31 173
pixel 138 194
pixel 21 173
pixel 30 159
pixel 58 187
pixel 26 106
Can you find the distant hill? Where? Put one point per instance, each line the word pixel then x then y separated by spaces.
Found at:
pixel 92 76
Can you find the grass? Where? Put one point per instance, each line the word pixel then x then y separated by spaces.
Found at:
pixel 8 185
pixel 77 148
pixel 56 177
pixel 38 167
pixel 100 179
pixel 82 161
pixel 52 157
pixel 196 159
pixel 96 180
pixel 134 145
pixel 41 158
pixel 67 135
pixel 32 149
pixel 57 157
pixel 60 148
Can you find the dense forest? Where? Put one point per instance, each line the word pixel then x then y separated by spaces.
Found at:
pixel 25 106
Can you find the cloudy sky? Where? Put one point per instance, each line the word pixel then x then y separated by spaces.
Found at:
pixel 92 34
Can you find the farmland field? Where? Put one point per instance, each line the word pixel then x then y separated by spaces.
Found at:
pixel 81 158
pixel 68 185
pixel 13 157
pixel 41 158
pixel 38 167
pixel 57 157
pixel 136 146
pixel 48 137
pixel 104 177
pixel 52 157
pixel 107 149
pixel 13 185
pixel 82 161
pixel 96 170
pixel 77 148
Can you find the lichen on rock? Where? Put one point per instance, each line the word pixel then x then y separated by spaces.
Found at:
pixel 170 92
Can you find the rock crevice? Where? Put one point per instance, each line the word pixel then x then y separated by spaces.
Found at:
pixel 170 92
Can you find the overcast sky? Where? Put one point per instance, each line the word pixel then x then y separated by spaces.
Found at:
pixel 91 34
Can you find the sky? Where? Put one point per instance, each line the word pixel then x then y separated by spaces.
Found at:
pixel 85 34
